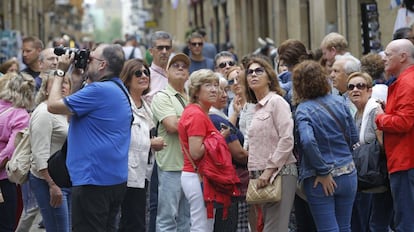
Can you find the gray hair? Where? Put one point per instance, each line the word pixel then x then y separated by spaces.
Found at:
pixel 223 54
pixel 160 35
pixel 351 64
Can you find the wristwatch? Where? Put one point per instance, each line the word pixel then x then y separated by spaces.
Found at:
pixel 60 73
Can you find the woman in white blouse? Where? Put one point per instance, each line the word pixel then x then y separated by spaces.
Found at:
pixel 136 77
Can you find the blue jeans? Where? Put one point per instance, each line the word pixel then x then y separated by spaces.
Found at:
pixel 402 190
pixel 332 213
pixel 173 213
pixel 54 219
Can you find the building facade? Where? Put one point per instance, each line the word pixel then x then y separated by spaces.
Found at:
pixel 242 22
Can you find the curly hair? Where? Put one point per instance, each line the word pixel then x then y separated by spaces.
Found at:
pixel 197 79
pixel 19 90
pixel 309 81
pixel 128 72
pixel 274 83
pixel 373 65
pixel 292 52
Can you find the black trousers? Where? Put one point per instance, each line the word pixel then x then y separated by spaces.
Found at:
pixel 8 209
pixel 95 208
pixel 133 209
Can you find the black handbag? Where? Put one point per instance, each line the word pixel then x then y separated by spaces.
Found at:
pixel 371 165
pixel 57 168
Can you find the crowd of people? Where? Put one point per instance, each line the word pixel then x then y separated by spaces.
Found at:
pixel 139 130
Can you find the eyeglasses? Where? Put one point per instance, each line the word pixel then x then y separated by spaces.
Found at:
pixel 360 86
pixel 225 63
pixel 161 48
pixel 259 71
pixel 178 65
pixel 197 44
pixel 139 73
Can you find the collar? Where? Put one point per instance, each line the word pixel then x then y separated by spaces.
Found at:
pixel 266 98
pixel 158 70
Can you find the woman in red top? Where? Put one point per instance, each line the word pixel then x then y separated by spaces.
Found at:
pixel 193 127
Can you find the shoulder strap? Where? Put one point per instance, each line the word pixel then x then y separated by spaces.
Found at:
pixel 335 118
pixel 189 157
pixel 126 94
pixel 132 55
pixel 177 95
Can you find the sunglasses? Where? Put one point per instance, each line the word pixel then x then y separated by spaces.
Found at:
pixel 139 73
pixel 259 71
pixel 230 82
pixel 225 63
pixel 178 65
pixel 161 48
pixel 197 44
pixel 360 86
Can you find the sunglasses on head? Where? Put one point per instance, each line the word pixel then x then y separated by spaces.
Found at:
pixel 197 44
pixel 259 71
pixel 161 48
pixel 225 63
pixel 360 86
pixel 139 73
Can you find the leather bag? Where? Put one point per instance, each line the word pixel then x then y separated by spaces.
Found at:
pixel 270 193
pixel 57 168
pixel 371 165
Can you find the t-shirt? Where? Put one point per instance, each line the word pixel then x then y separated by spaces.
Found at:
pixel 193 122
pixel 165 104
pixel 207 63
pixel 99 134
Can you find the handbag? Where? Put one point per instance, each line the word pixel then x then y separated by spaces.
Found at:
pixel 57 168
pixel 371 165
pixel 271 193
pixel 18 167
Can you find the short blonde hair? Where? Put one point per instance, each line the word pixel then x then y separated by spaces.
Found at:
pixel 364 76
pixel 335 40
pixel 19 90
pixel 199 78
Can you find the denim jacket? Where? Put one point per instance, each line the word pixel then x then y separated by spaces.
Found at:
pixel 322 144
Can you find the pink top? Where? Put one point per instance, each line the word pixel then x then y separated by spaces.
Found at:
pixel 158 82
pixel 11 122
pixel 271 134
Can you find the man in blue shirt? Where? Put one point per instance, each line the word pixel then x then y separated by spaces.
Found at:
pixel 98 138
pixel 198 60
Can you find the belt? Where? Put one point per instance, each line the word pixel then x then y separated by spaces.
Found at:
pixel 349 168
pixel 288 169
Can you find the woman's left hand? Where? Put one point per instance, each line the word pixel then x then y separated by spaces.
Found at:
pixel 328 184
pixel 55 195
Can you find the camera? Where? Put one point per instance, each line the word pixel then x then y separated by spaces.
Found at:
pixel 81 55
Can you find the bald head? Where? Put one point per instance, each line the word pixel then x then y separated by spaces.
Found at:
pixel 399 55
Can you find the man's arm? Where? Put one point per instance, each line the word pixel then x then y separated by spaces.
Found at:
pixel 55 103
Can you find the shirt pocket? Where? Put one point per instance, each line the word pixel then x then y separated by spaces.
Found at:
pixel 263 124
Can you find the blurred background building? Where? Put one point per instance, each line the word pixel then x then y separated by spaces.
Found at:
pixel 367 24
